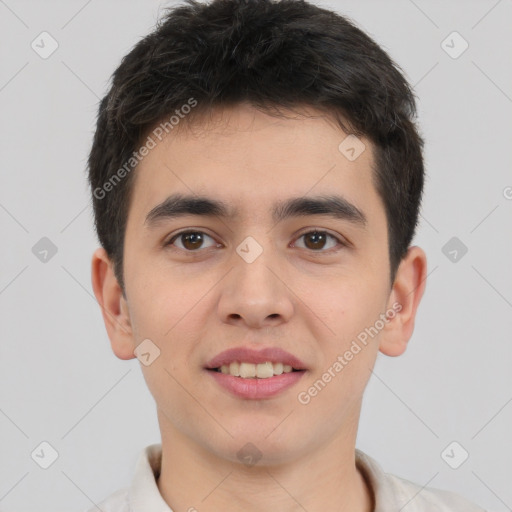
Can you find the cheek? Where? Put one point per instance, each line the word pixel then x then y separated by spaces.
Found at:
pixel 157 304
pixel 350 350
pixel 353 306
pixel 174 318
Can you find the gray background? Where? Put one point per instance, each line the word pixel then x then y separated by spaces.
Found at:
pixel 59 380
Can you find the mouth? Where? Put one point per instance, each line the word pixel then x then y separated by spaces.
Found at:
pixel 246 370
pixel 246 362
pixel 255 374
pixel 253 387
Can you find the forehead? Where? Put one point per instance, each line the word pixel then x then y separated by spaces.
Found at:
pixel 249 160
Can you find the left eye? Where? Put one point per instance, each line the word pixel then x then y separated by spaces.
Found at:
pixel 318 239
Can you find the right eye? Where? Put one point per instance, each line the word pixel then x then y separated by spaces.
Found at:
pixel 191 240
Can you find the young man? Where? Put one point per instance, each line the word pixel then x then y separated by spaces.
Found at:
pixel 256 176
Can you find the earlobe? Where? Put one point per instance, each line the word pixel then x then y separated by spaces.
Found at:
pixel 114 307
pixel 405 296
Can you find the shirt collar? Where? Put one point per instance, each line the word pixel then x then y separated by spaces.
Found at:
pixel 144 493
pixel 377 480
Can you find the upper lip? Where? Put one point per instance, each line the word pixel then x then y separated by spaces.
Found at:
pixel 248 355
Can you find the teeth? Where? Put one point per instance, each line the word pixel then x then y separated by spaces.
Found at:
pixel 247 370
pixel 264 370
pixel 234 369
pixel 250 370
pixel 278 368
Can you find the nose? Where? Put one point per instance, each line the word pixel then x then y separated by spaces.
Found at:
pixel 256 295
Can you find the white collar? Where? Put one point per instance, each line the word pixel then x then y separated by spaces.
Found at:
pixel 144 495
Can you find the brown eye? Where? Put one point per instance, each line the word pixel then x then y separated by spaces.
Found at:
pixel 191 240
pixel 317 240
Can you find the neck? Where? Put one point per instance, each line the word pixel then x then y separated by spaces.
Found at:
pixel 326 478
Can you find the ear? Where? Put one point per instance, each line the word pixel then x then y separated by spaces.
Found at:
pixel 114 306
pixel 404 299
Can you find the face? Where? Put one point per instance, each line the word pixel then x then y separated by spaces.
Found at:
pixel 311 282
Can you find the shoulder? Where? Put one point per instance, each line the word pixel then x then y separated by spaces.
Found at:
pixel 116 502
pixel 423 499
pixel 395 493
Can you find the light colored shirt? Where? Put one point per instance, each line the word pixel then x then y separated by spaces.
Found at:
pixel 391 493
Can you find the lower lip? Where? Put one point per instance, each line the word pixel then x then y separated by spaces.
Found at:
pixel 256 389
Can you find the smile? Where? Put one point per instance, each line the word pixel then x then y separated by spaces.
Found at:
pixel 249 385
pixel 251 370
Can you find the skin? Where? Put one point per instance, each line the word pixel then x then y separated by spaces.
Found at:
pixel 310 301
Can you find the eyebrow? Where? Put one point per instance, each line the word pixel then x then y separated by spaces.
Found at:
pixel 179 205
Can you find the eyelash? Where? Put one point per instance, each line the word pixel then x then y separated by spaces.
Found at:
pixel 317 231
